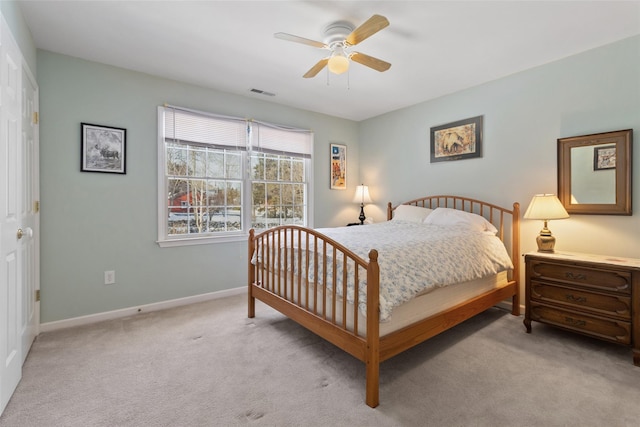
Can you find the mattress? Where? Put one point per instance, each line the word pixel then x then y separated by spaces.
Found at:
pixel 440 299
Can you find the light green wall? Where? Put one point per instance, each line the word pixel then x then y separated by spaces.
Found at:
pixel 524 115
pixel 92 222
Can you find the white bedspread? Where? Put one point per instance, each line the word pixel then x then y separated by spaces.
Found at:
pixel 415 258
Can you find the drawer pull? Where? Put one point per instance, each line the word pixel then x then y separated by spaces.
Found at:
pixel 579 276
pixel 575 322
pixel 574 298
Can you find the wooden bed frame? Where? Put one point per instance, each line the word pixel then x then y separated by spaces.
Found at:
pixel 285 291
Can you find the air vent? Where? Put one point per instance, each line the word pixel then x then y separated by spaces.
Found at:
pixel 262 92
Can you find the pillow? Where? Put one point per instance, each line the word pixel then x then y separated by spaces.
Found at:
pixel 411 213
pixel 448 216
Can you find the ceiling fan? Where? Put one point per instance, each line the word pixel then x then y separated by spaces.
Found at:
pixel 339 37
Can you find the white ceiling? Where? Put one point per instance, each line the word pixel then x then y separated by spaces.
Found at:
pixel 435 47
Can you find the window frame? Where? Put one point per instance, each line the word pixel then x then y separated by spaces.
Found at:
pixel 164 240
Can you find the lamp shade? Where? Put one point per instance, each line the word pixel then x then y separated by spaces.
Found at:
pixel 362 195
pixel 545 207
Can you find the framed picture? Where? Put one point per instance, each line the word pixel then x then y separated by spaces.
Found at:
pixel 604 158
pixel 457 140
pixel 338 167
pixel 103 149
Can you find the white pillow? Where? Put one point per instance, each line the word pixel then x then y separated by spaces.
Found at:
pixel 448 216
pixel 411 213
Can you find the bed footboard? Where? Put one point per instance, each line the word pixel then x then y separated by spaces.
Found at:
pixel 307 277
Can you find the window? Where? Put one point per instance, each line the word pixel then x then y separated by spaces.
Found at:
pixel 219 176
pixel 278 176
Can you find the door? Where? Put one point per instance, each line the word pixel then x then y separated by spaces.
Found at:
pixel 10 202
pixel 29 217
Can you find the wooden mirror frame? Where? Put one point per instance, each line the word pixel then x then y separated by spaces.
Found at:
pixel 623 141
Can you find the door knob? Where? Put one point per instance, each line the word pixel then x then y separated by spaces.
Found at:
pixel 26 232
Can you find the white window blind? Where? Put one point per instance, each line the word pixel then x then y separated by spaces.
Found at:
pixel 269 138
pixel 201 128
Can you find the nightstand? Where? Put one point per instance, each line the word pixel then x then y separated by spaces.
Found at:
pixel 593 295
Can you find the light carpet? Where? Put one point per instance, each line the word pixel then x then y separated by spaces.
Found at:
pixel 207 364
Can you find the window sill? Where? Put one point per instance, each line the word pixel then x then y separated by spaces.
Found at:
pixel 191 241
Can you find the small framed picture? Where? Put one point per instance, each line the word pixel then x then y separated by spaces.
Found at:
pixel 604 158
pixel 338 167
pixel 457 140
pixel 103 149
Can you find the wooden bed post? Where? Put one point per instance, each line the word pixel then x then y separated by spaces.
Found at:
pixel 251 306
pixel 389 211
pixel 515 241
pixel 372 358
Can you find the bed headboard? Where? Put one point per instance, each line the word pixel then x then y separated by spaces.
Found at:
pixel 507 221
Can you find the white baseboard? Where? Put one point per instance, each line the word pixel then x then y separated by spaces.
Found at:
pixel 131 311
pixel 125 312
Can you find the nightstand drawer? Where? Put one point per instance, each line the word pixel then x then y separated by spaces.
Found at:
pixel 603 304
pixel 595 278
pixel 606 329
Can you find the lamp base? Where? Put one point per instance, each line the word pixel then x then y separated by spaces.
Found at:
pixel 546 242
pixel 362 217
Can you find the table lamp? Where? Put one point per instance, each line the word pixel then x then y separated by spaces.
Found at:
pixel 545 207
pixel 362 197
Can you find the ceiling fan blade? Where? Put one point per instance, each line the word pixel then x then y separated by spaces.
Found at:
pixel 316 68
pixel 366 30
pixel 292 38
pixel 370 61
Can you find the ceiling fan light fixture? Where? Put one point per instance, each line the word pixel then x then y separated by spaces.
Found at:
pixel 340 37
pixel 338 64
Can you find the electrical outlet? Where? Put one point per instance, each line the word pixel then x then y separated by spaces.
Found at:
pixel 109 277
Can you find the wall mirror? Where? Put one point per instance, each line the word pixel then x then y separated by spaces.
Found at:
pixel 594 173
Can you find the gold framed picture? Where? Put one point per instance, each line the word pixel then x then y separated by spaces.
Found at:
pixel 338 167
